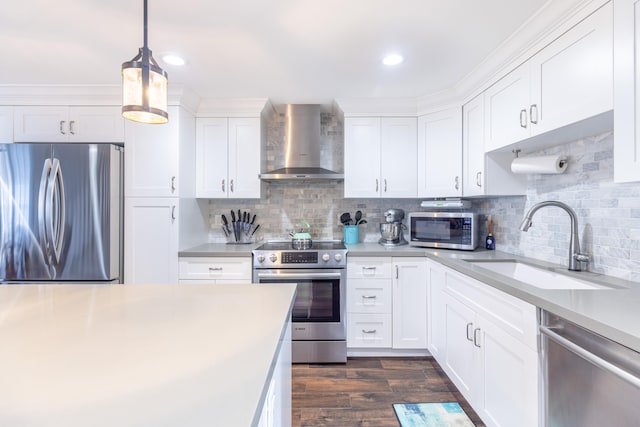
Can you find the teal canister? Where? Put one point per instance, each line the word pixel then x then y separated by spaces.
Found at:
pixel 350 234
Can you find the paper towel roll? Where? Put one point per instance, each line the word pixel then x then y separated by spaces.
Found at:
pixel 539 164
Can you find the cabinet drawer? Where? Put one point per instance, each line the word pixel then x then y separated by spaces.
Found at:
pixel 514 316
pixel 369 296
pixel 368 330
pixel 219 269
pixel 370 268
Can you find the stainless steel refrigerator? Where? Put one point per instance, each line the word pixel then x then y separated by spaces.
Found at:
pixel 61 212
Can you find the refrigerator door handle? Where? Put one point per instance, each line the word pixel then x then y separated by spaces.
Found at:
pixel 56 209
pixel 42 211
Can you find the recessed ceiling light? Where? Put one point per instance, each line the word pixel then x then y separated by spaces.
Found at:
pixel 392 59
pixel 172 59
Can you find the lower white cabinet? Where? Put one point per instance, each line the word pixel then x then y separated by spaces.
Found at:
pixel 409 303
pixel 491 350
pixel 387 303
pixel 436 332
pixel 276 409
pixel 215 270
pixel 151 243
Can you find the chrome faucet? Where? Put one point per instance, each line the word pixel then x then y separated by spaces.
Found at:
pixel 575 257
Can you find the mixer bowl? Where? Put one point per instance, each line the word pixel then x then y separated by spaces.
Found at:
pixel 390 231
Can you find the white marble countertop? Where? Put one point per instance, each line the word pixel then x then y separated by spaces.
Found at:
pixel 138 355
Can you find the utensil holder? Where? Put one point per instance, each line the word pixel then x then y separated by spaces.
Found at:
pixel 350 234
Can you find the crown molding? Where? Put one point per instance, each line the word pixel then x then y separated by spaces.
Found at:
pixel 368 107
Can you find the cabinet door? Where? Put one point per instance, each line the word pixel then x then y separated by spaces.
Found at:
pixel 6 125
pixel 399 149
pixel 369 296
pixel 572 78
pixel 509 374
pixel 96 124
pixel 627 91
pixel 220 269
pixel 436 323
pixel 211 158
pixel 473 147
pixel 440 154
pixel 410 304
pixel 152 158
pixel 362 157
pixel 151 240
pixel 244 158
pixel 41 124
pixel 460 358
pixel 507 109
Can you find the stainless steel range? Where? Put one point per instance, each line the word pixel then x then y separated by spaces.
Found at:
pixel 318 317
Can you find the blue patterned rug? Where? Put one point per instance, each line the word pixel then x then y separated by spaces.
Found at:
pixel 447 414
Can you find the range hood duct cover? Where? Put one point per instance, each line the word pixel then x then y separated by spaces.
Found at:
pixel 302 147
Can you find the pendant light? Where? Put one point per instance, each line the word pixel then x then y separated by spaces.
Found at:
pixel 144 86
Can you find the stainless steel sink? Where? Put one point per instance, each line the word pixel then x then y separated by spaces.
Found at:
pixel 539 277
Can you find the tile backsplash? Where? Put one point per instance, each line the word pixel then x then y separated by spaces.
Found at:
pixel 608 213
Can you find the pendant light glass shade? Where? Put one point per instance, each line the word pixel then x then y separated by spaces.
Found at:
pixel 144 86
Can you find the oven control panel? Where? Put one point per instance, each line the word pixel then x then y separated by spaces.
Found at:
pixel 299 257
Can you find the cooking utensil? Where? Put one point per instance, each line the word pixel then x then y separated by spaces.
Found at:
pixel 345 218
pixel 254 230
pixel 358 217
pixel 253 219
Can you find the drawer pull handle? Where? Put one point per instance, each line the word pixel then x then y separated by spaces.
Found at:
pixel 372 331
pixel 368 268
pixel 476 340
pixel 369 296
pixel 469 333
pixel 215 268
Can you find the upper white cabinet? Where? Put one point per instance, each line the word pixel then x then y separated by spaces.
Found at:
pixel 228 157
pixel 440 154
pixel 160 161
pixel 485 174
pixel 569 80
pixel 6 125
pixel 627 91
pixel 68 124
pixel 380 157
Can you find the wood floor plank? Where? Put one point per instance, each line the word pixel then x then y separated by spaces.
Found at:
pixel 362 391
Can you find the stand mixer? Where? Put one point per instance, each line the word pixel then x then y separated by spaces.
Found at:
pixel 392 230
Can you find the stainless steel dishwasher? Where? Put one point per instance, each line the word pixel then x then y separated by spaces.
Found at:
pixel 588 380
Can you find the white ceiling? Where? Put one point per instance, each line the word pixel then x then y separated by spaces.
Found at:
pixel 286 50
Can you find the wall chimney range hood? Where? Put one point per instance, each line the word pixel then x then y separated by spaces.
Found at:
pixel 302 147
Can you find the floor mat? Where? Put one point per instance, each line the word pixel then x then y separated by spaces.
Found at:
pixel 447 414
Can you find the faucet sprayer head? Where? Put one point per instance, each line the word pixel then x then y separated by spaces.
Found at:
pixel 526 223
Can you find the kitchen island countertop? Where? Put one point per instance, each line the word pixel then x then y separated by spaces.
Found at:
pixel 138 355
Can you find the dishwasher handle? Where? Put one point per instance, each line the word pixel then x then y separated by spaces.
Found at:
pixel 590 357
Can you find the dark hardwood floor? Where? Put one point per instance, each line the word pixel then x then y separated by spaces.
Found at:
pixel 361 392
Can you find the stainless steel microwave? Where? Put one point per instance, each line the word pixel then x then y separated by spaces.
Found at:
pixel 448 230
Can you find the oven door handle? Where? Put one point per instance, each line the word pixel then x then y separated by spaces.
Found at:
pixel 303 276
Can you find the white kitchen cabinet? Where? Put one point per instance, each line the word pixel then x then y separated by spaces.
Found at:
pixel 485 174
pixel 68 124
pixel 160 158
pixel 569 80
pixel 228 158
pixel 151 240
pixel 387 303
pixel 369 302
pixel 491 351
pixel 380 157
pixel 6 125
pixel 440 154
pixel 276 410
pixel 436 323
pixel 627 91
pixel 215 270
pixel 409 303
